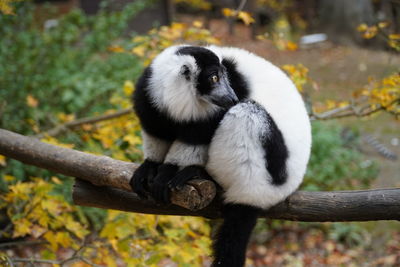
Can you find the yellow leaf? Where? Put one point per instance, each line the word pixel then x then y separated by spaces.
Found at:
pixel 291 46
pixel 383 24
pixel 31 101
pixel 139 50
pixel 362 27
pixel 87 127
pixel 198 24
pixel 51 238
pixel 63 238
pixel 116 49
pixel 22 227
pixel 370 32
pixel 65 117
pixel 227 12
pixel 56 180
pixel 75 228
pixel 54 141
pixel 394 36
pixel 44 220
pixel 330 104
pixel 245 17
pixel 139 39
pixel 128 88
pixel 37 231
pixel 8 178
pixel 262 37
pixel 21 190
pixel 178 26
pixel 6 8
pixel 2 160
pixel 132 139
pixel 51 206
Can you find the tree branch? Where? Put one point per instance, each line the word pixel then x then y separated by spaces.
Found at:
pixel 363 205
pixel 58 262
pixel 106 185
pixel 99 170
pixel 352 110
pixel 79 122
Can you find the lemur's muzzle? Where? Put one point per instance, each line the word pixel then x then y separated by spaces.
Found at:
pixel 223 95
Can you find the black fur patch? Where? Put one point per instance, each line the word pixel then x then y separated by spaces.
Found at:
pixel 231 240
pixel 208 64
pixel 276 152
pixel 159 124
pixel 151 120
pixel 146 172
pixel 204 57
pixel 188 173
pixel 236 79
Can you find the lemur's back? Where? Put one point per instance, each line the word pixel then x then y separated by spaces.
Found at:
pixel 271 88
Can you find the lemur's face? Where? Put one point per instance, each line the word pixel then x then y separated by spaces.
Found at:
pixel 190 83
pixel 210 77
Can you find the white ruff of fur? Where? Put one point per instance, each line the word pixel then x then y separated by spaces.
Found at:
pixel 154 149
pixel 171 92
pixel 182 154
pixel 236 160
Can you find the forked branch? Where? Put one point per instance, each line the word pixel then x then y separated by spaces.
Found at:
pixel 104 183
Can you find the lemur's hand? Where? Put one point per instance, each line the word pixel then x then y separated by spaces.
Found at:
pixel 140 179
pixel 186 174
pixel 159 188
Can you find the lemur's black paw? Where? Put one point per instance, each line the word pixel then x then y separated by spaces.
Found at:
pixel 186 174
pixel 159 189
pixel 145 173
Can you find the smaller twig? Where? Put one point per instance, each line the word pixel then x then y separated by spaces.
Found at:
pixel 88 120
pixel 353 110
pixel 32 260
pixel 59 262
pixel 241 6
pixel 9 262
pixel 329 113
pixel 90 263
pixel 5 230
pixel 22 243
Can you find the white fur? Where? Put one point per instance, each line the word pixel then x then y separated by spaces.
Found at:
pixel 154 148
pixel 171 92
pixel 235 158
pixel 183 155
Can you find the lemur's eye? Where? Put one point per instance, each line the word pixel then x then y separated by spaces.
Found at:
pixel 214 78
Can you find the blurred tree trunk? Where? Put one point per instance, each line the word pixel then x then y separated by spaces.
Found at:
pixel 340 18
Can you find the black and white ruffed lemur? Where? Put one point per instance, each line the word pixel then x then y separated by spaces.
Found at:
pixel 228 113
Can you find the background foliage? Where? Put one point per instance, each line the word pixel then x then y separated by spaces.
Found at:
pixel 82 66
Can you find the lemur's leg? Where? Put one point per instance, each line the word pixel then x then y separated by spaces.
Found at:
pixel 154 150
pixel 239 160
pixel 189 158
pixel 247 156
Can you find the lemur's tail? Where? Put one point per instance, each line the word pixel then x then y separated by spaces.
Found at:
pixel 232 237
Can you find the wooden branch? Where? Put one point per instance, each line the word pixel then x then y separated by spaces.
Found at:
pixel 106 186
pixel 99 170
pixel 79 122
pixel 366 205
pixel 352 110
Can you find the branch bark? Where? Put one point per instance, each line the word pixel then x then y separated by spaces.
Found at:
pixel 99 170
pixel 105 184
pixel 362 205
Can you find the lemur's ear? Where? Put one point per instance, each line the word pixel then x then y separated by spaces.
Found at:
pixel 185 71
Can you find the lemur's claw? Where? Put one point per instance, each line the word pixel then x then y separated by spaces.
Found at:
pixel 160 192
pixel 143 174
pixel 159 189
pixel 186 174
